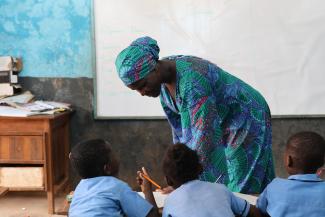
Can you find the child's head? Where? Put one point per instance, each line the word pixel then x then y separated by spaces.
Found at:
pixel 305 152
pixel 180 165
pixel 94 158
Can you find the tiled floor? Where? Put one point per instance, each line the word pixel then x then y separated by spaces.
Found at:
pixel 27 204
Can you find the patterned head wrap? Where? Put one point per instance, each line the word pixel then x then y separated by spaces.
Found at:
pixel 137 60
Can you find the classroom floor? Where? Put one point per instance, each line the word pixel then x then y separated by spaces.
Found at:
pixel 27 204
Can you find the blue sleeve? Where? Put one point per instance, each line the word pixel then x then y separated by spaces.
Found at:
pixel 133 205
pixel 166 209
pixel 239 206
pixel 174 120
pixel 261 203
pixel 165 212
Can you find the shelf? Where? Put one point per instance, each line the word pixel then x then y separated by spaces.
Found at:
pixel 11 161
pixel 26 188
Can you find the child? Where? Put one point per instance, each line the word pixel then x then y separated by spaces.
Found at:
pixel 303 193
pixel 100 193
pixel 191 196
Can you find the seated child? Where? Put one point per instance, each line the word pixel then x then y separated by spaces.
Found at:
pixel 100 193
pixel 192 197
pixel 303 193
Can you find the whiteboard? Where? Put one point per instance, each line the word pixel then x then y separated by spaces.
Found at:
pixel 277 46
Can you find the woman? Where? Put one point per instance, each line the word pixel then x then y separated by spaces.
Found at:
pixel 224 119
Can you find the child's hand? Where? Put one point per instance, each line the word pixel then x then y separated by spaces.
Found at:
pixel 166 190
pixel 321 172
pixel 144 183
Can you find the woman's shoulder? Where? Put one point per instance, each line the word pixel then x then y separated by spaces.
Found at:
pixel 187 58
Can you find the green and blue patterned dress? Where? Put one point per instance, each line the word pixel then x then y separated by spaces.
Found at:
pixel 225 120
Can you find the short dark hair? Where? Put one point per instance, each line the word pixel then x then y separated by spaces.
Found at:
pixel 308 149
pixel 181 164
pixel 89 157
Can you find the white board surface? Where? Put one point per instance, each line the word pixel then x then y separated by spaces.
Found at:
pixel 276 46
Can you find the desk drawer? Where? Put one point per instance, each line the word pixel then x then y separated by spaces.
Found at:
pixel 22 178
pixel 21 149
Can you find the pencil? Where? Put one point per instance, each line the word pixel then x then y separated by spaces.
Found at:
pixel 150 180
pixel 218 178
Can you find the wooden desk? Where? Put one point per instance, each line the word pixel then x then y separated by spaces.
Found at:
pixel 3 191
pixel 40 143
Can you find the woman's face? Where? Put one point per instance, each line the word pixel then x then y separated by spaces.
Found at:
pixel 148 86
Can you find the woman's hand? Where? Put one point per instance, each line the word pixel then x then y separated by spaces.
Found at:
pixel 144 183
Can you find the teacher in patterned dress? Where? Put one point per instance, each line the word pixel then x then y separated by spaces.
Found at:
pixel 224 119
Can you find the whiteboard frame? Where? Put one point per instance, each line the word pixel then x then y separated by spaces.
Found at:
pixel 96 116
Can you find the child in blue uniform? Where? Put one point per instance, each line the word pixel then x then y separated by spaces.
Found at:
pixel 193 197
pixel 100 193
pixel 303 193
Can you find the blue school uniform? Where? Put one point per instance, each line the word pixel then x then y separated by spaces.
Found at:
pixel 107 196
pixel 299 195
pixel 204 199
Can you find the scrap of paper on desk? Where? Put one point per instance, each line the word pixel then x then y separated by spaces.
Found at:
pixel 159 197
pixel 249 198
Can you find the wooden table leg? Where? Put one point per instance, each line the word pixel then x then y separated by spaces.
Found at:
pixel 49 174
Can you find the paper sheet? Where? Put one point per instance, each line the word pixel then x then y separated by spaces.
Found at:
pixel 160 198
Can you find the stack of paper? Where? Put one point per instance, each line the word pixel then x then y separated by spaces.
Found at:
pixel 21 106
pixel 14 112
pixel 40 106
pixel 53 104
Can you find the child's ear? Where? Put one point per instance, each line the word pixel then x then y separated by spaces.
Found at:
pixel 112 168
pixel 169 181
pixel 107 169
pixel 289 161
